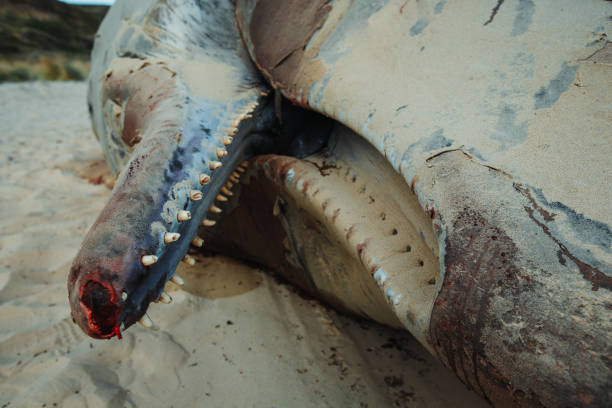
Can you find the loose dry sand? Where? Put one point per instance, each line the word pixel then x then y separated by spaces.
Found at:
pixel 234 337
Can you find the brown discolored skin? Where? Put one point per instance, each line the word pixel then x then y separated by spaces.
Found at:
pixel 513 321
pixel 479 259
pixel 285 27
pixel 147 87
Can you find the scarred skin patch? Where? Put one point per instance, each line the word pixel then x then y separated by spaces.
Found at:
pixel 479 263
pixel 513 313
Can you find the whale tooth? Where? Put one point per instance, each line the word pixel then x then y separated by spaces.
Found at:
pixel 213 165
pixel 197 241
pixel 177 280
pixel 221 153
pixel 214 209
pixel 237 175
pixel 189 260
pixel 171 237
pixel 234 179
pixel 146 321
pixel 204 179
pixel 221 197
pixel 195 195
pixel 245 163
pixel 241 169
pixel 164 298
pixel 227 140
pixel 183 216
pixel 208 223
pixel 225 191
pixel 229 184
pixel 233 131
pixel 234 123
pixel 148 260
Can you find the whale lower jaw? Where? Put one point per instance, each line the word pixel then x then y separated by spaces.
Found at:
pixel 341 224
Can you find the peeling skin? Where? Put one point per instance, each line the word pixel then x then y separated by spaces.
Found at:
pixel 589 272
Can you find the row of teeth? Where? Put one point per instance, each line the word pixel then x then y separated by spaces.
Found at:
pixel 182 216
pixel 195 195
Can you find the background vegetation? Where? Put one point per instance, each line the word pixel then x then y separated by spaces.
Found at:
pixel 46 39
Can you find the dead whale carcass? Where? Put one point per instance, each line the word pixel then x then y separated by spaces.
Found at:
pixel 461 192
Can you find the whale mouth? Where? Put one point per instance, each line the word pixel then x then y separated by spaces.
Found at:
pixel 355 239
pixel 341 224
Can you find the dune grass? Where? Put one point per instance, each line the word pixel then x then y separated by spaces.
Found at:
pixel 52 67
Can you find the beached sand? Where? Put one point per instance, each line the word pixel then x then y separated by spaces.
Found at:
pixel 233 337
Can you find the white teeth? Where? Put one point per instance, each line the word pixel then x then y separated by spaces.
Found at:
pixel 241 169
pixel 214 209
pixel 183 216
pixel 220 197
pixel 235 123
pixel 228 184
pixel 233 131
pixel 213 165
pixel 171 237
pixel 146 321
pixel 204 179
pixel 164 298
pixel 245 163
pixel 198 242
pixel 189 260
pixel 195 195
pixel 124 296
pixel 221 153
pixel 177 279
pixel 208 223
pixel 225 191
pixel 227 140
pixel 148 260
pixel 235 174
pixel 234 179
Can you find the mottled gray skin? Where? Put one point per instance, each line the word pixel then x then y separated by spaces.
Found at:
pixel 523 310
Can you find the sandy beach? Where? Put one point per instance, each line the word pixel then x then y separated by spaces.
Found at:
pixel 234 336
